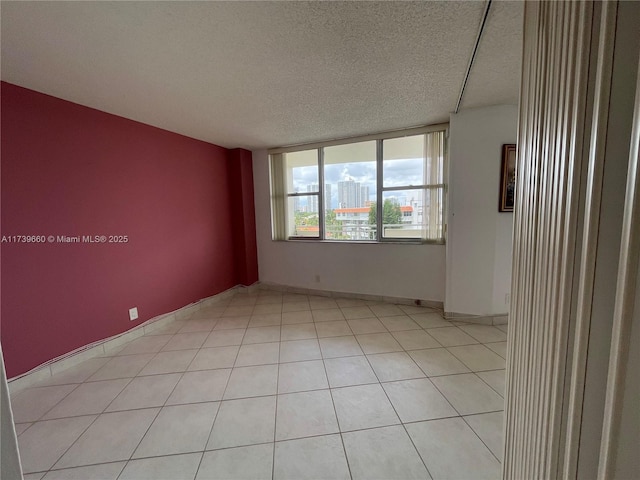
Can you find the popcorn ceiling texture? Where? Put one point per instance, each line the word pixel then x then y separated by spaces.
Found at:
pixel 264 74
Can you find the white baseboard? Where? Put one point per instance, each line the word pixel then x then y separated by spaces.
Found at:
pixel 101 347
pixel 360 296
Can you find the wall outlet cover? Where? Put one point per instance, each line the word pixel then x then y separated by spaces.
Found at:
pixel 133 313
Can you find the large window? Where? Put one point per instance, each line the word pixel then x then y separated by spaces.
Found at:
pixel 383 188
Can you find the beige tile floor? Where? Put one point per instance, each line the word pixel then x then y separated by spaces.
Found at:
pixel 277 386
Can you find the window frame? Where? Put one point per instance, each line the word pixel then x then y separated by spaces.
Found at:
pixel 380 189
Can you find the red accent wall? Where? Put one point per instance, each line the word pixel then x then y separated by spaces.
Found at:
pixel 185 205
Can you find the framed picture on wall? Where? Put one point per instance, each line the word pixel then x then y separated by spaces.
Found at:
pixel 508 178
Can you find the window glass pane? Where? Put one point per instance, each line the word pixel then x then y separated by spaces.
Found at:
pixel 303 219
pixel 350 189
pixel 403 161
pixel 302 171
pixel 403 214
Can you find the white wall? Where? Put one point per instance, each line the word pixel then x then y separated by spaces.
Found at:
pixel 409 271
pixel 478 269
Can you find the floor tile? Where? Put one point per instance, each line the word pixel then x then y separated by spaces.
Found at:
pixel 76 374
pixel 386 310
pixel 269 299
pixel 145 344
pixel 103 471
pixel 450 449
pixel 350 302
pixel 217 357
pixel 361 326
pixel 178 429
pixel 314 458
pixel 414 309
pixel 252 382
pixel 174 467
pixel 232 323
pixel 378 343
pixel 169 362
pixel 430 320
pixel 399 324
pixel 383 453
pixel 44 442
pixel 332 329
pixel 224 338
pixel 168 329
pixel 262 334
pixel 21 427
pixel 258 354
pixel 504 328
pixel 488 426
pixel 416 400
pixel 357 312
pixel 415 340
pixel 468 394
pixel 201 386
pixel 199 325
pixel 333 347
pixel 112 437
pixel 305 414
pixel 327 315
pixel 302 376
pixel 267 308
pixel 246 421
pixel 265 320
pixel 186 341
pixel 394 366
pixel 451 336
pixel 363 406
pixel 238 310
pixel 322 303
pixel 298 350
pixel 478 357
pixel 485 333
pixel 495 379
pixel 437 361
pixel 295 317
pixel 295 298
pixel 301 331
pixel 88 398
pixel 242 463
pixel 291 307
pixel 144 392
pixel 33 476
pixel 31 404
pixel 122 367
pixel 499 347
pixel 349 371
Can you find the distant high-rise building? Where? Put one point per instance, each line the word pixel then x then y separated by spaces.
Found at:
pixel 364 196
pixel 352 194
pixel 327 197
pixel 312 199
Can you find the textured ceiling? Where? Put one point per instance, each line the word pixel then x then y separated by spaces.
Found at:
pixel 264 74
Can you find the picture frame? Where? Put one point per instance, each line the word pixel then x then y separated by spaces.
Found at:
pixel 508 178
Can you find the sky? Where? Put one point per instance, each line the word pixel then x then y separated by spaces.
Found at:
pixel 396 173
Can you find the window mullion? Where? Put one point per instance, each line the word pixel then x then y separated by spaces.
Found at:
pixel 379 183
pixel 321 192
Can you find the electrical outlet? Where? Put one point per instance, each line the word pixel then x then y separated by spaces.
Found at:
pixel 317 278
pixel 507 299
pixel 133 313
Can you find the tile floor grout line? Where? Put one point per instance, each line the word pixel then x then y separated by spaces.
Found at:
pixel 480 438
pixel 213 424
pixel 397 415
pixel 159 411
pixel 275 419
pixel 335 412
